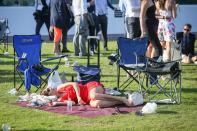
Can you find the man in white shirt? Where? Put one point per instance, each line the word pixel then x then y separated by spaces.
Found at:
pixel 81 27
pixel 131 9
pixel 101 12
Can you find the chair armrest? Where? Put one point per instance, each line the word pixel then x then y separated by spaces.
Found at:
pixel 54 58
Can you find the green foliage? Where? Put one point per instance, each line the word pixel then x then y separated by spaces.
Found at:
pixel 168 117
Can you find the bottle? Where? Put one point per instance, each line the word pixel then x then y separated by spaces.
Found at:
pixel 69 105
pixel 6 127
pixel 67 63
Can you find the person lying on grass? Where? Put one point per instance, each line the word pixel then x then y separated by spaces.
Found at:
pixel 92 93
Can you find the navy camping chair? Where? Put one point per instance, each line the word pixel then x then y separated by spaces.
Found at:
pixel 87 74
pixel 131 57
pixel 28 64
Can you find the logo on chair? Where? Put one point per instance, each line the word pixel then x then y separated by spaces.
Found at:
pixel 27 40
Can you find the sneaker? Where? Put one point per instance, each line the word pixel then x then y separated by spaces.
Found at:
pixel 65 50
pixel 106 49
pixel 91 52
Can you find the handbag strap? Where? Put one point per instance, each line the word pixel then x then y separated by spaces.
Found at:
pixel 44 3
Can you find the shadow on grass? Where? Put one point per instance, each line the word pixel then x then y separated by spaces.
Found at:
pixel 191 79
pixel 167 112
pixel 189 90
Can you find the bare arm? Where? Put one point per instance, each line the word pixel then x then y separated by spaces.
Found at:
pixel 77 90
pixel 174 9
pixel 144 6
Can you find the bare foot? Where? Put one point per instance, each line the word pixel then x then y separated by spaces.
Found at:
pixel 128 102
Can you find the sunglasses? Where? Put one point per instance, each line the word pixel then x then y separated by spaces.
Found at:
pixel 187 29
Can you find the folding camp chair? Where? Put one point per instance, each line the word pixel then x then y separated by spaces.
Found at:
pixel 166 77
pixel 28 64
pixel 130 53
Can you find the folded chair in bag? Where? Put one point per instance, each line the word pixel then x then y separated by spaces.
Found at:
pixel 130 53
pixel 28 64
pixel 91 72
pixel 87 74
pixel 166 86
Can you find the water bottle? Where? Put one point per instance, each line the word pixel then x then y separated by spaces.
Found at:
pixel 6 127
pixel 69 105
pixel 67 64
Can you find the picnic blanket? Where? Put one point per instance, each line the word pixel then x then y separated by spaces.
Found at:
pixel 84 111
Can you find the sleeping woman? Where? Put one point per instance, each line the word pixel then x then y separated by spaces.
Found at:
pixel 92 93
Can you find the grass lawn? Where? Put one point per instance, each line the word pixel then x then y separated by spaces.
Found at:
pixel 168 117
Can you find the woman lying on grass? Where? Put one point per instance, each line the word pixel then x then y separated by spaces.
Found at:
pixel 92 93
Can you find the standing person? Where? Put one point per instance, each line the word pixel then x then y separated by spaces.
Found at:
pixel 93 25
pixel 187 40
pixel 42 15
pixel 132 13
pixel 81 27
pixel 59 19
pixel 148 25
pixel 101 12
pixel 166 13
pixel 67 28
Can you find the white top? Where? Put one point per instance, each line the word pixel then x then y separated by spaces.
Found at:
pixel 38 4
pixel 79 7
pixel 130 7
pixel 101 7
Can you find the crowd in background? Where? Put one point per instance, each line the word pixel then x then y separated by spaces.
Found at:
pixel 142 18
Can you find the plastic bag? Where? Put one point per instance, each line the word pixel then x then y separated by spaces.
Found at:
pixel 136 98
pixel 54 80
pixel 149 108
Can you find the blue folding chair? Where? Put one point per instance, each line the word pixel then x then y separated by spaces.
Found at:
pixel 28 64
pixel 131 57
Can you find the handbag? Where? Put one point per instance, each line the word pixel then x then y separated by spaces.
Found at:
pixel 87 74
pixel 54 80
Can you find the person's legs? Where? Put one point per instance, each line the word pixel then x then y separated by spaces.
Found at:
pixel 64 40
pixel 39 23
pixel 102 103
pixel 168 51
pixel 97 94
pixel 104 24
pixel 83 37
pixel 93 43
pixel 57 37
pixel 133 27
pixel 76 36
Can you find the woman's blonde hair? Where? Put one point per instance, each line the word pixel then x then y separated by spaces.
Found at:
pixel 45 92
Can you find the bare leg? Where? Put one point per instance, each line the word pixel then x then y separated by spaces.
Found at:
pixel 168 50
pixel 101 103
pixel 97 94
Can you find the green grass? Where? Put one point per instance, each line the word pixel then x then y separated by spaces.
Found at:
pixel 168 117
